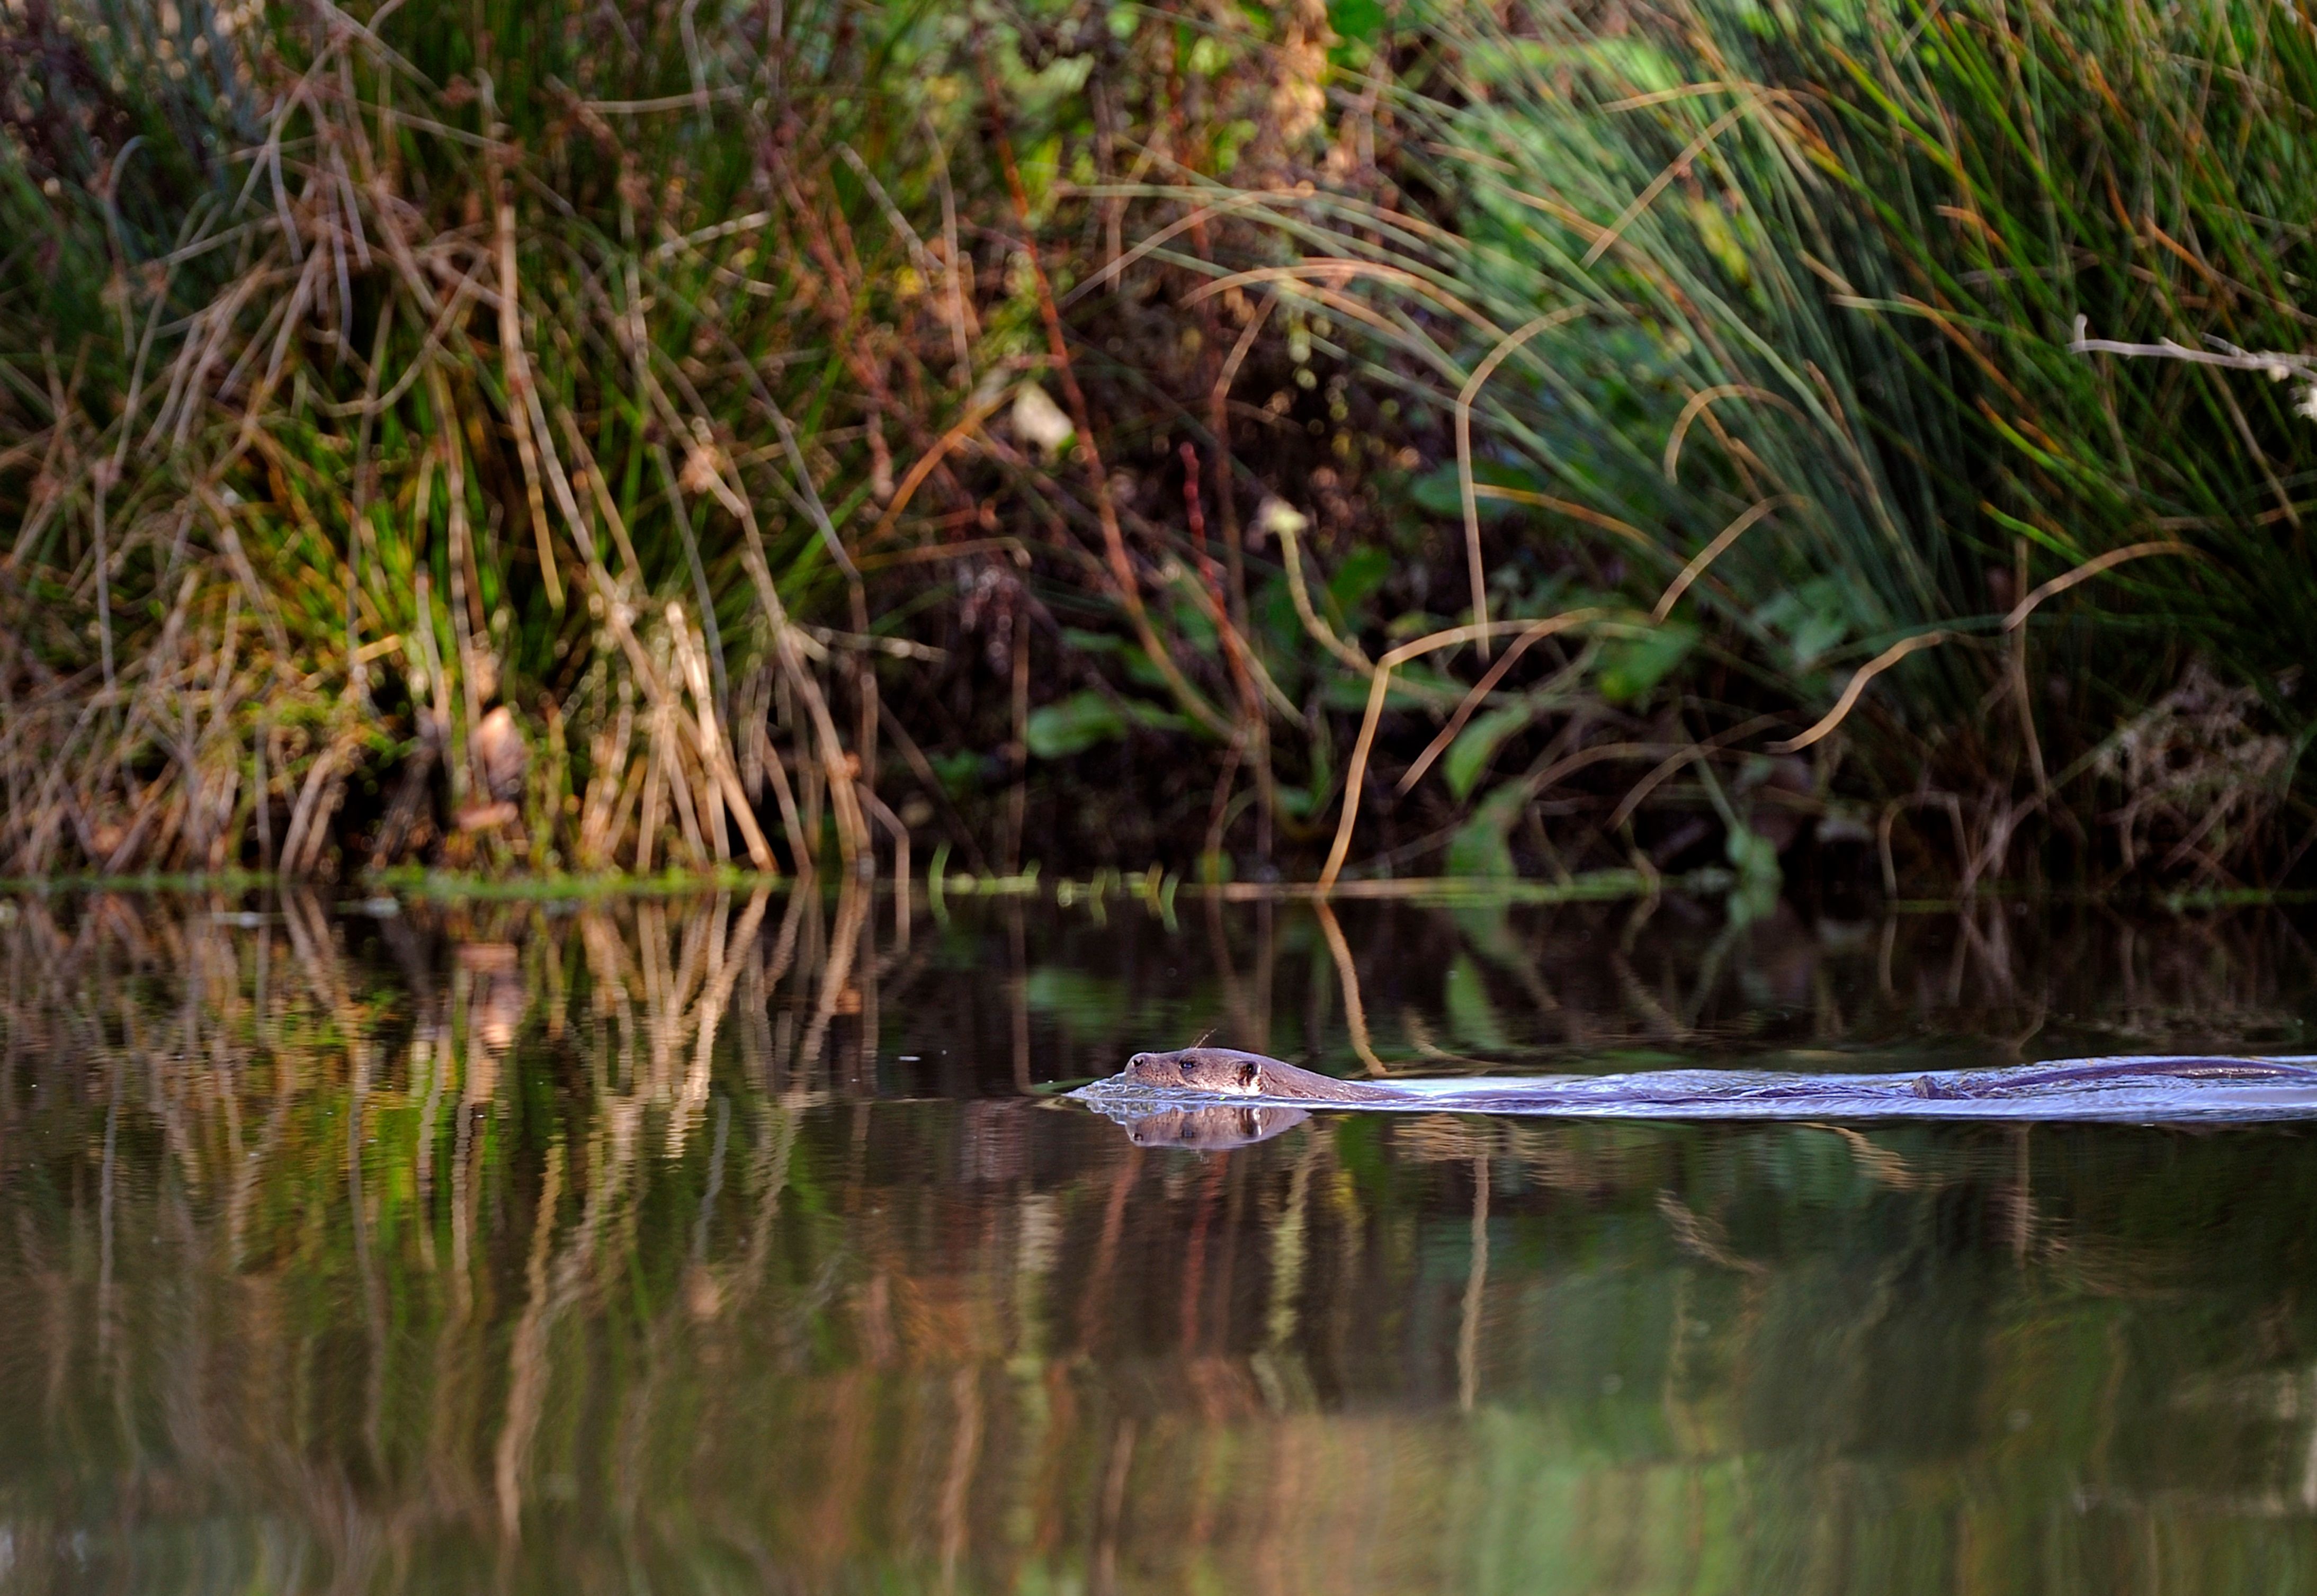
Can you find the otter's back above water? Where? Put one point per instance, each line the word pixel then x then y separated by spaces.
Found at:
pixel 2144 1089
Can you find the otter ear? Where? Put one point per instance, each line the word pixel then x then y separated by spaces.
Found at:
pixel 1250 1077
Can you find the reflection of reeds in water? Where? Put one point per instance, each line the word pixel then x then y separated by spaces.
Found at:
pixel 1475 990
pixel 576 1248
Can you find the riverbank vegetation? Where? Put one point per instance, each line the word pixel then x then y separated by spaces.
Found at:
pixel 1289 439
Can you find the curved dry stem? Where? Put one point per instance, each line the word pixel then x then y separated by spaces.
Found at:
pixel 1313 623
pixel 1674 762
pixel 966 425
pixel 1238 356
pixel 2085 572
pixel 1181 224
pixel 1674 168
pixel 1712 551
pixel 1356 1014
pixel 1697 405
pixel 1473 700
pixel 1356 774
pixel 1571 508
pixel 1867 673
pixel 1335 271
pixel 1599 754
pixel 1464 397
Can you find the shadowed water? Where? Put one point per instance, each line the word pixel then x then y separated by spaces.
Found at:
pixel 748 1245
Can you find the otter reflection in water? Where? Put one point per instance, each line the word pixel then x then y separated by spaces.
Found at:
pixel 2163 1090
pixel 1213 1128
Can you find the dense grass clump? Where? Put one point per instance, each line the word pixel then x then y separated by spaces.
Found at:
pixel 601 436
pixel 1792 311
pixel 604 437
pixel 2128 175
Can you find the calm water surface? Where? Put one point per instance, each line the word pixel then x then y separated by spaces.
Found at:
pixel 742 1245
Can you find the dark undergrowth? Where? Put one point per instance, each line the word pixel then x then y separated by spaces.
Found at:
pixel 1274 442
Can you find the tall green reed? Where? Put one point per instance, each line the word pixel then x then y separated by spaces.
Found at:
pixel 1764 322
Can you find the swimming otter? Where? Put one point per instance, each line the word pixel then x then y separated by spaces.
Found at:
pixel 2145 1091
pixel 1226 1072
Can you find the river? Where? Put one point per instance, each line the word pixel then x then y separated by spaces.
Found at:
pixel 744 1242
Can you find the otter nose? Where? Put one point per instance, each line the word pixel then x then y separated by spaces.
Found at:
pixel 1137 1061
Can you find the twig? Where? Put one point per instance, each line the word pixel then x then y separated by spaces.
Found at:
pixel 1122 569
pixel 2085 572
pixel 1712 551
pixel 1464 397
pixel 2274 364
pixel 1472 701
pixel 1380 683
pixel 1866 673
pixel 1356 1018
pixel 1320 632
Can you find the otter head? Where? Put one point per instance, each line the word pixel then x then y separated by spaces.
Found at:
pixel 1221 1071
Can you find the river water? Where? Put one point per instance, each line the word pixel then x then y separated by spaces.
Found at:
pixel 745 1244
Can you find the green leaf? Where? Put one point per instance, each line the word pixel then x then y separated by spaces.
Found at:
pixel 1191 624
pixel 960 772
pixel 1412 687
pixel 1441 491
pixel 1357 21
pixel 1153 718
pixel 1468 757
pixel 1480 848
pixel 1230 138
pixel 1142 669
pixel 1632 666
pixel 1813 618
pixel 1074 725
pixel 1362 572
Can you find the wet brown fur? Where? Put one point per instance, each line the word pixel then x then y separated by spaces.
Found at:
pixel 1226 1072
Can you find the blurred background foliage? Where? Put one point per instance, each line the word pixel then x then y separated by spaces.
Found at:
pixel 1261 439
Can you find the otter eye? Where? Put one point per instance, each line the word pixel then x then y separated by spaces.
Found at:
pixel 1250 1076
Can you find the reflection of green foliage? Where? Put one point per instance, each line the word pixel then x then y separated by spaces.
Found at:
pixel 292 1293
pixel 1759 875
pixel 1470 1015
pixel 1056 991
